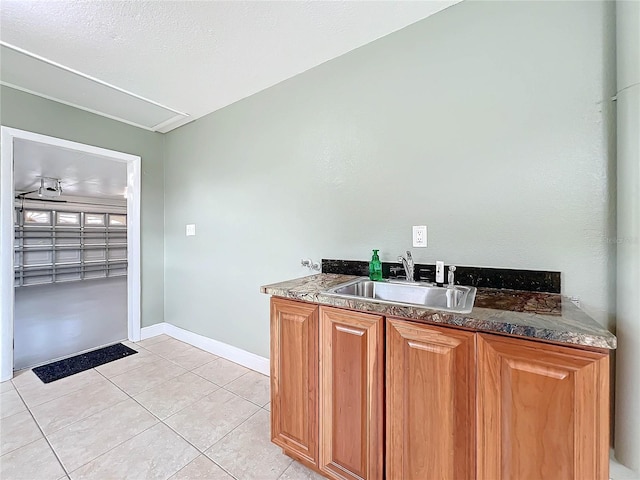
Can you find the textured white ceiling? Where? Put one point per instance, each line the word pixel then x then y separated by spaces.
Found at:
pixel 22 70
pixel 198 56
pixel 81 174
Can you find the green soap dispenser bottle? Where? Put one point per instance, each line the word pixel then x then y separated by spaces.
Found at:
pixel 375 267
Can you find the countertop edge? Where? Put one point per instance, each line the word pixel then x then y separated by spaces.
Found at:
pixel 490 320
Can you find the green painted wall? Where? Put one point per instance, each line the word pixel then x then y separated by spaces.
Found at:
pixel 35 114
pixel 490 122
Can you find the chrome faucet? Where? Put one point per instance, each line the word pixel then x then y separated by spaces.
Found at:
pixel 407 263
pixel 452 269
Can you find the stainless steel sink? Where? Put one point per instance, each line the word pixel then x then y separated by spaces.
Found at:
pixel 457 299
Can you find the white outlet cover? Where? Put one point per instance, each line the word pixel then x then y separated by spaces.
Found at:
pixel 191 230
pixel 419 235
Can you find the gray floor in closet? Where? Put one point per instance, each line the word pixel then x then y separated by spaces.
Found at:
pixel 58 320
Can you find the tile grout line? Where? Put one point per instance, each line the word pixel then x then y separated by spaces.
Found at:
pixel 240 396
pixel 218 357
pixel 187 370
pixel 207 448
pixel 162 421
pixel 142 366
pixel 26 444
pixel 124 441
pixel 169 337
pixel 162 383
pixel 220 387
pixel 115 446
pixel 55 454
pixel 62 396
pixel 16 413
pixel 229 433
pixel 127 371
pixel 27 387
pixel 201 452
pixel 221 467
pixel 157 418
pixel 68 473
pixel 194 368
pixel 224 387
pixel 212 461
pixel 234 428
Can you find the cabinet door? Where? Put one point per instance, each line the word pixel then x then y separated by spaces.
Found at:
pixel 294 378
pixel 430 402
pixel 543 411
pixel 351 393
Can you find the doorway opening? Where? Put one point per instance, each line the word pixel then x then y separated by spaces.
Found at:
pixel 104 241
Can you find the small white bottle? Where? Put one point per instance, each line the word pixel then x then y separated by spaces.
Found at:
pixel 439 272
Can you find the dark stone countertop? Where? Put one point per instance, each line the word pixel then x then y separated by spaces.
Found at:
pixel 533 315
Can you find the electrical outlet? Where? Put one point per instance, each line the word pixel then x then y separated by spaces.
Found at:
pixel 420 236
pixel 191 230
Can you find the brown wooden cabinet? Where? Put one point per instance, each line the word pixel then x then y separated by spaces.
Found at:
pixel 458 404
pixel 351 394
pixel 430 407
pixel 294 378
pixel 543 411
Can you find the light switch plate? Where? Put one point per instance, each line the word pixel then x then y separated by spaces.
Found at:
pixel 191 230
pixel 420 236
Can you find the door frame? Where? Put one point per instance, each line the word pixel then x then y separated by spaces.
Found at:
pixel 7 194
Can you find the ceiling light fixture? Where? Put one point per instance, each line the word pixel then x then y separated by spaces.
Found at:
pixel 49 187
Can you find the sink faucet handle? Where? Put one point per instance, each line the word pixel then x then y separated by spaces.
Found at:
pixel 451 276
pixel 407 263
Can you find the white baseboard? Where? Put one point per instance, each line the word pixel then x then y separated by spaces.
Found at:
pixel 152 331
pixel 224 350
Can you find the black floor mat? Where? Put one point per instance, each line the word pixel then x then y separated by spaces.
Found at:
pixel 70 366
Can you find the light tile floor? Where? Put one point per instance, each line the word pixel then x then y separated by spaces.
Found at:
pixel 171 411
